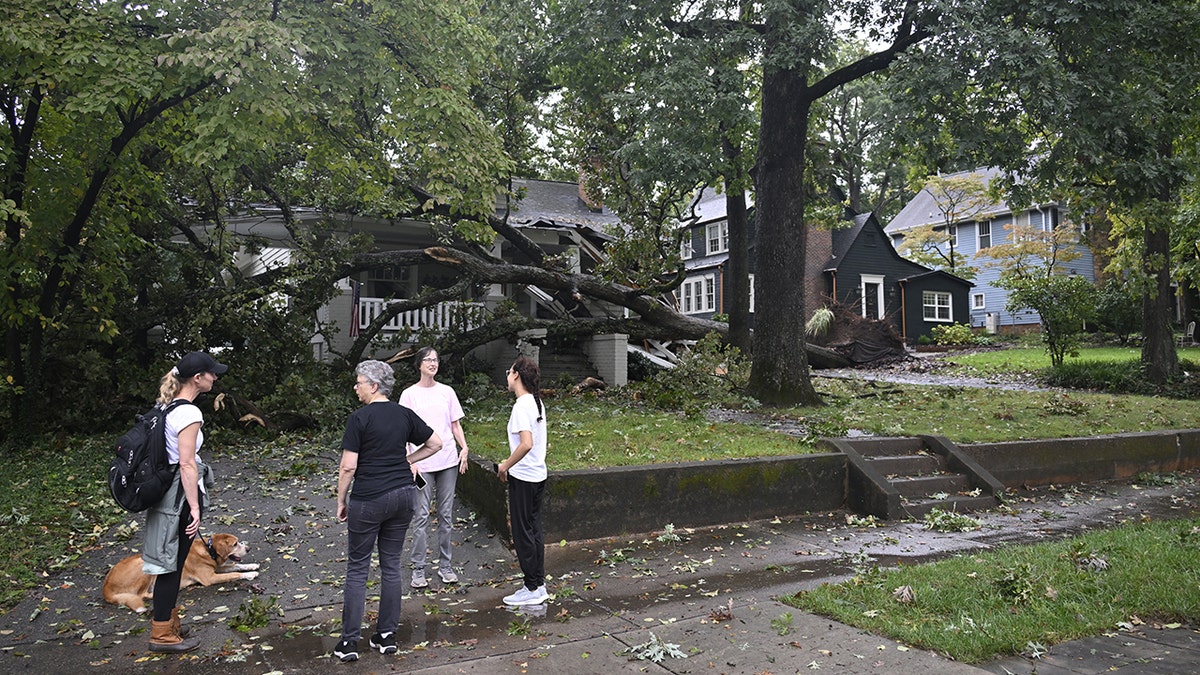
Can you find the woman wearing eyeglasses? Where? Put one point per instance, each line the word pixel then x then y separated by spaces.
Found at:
pixel 380 507
pixel 438 406
pixel 525 473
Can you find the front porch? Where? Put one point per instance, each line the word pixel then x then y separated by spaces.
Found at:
pixel 443 316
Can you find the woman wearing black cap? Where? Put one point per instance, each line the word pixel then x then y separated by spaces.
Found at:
pixel 173 523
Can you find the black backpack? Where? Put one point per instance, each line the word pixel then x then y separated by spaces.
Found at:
pixel 139 474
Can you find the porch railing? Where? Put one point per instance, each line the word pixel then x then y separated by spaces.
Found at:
pixel 442 316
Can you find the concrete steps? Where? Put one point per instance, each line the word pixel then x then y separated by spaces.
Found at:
pixel 897 478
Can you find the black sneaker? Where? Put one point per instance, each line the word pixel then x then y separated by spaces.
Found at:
pixel 384 642
pixel 346 651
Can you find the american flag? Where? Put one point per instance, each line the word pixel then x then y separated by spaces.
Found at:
pixel 357 291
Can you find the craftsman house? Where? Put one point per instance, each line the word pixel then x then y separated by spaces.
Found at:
pixel 555 215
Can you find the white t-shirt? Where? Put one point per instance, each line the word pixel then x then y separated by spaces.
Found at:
pixel 524 417
pixel 438 406
pixel 178 420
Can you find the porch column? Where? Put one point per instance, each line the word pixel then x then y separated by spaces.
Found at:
pixel 609 355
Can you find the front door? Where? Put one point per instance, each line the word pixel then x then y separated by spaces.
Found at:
pixel 872 296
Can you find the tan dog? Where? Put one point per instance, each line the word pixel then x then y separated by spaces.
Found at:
pixel 127 585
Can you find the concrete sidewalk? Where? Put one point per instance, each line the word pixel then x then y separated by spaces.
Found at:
pixel 711 595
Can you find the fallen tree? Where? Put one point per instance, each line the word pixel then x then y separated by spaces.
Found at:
pixel 656 320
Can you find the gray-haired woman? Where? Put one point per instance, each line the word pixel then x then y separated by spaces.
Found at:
pixel 380 506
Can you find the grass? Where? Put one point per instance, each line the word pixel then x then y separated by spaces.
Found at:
pixel 1021 598
pixel 596 432
pixel 1032 359
pixel 54 505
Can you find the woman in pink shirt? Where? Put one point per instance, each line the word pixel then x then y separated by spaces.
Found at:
pixel 438 406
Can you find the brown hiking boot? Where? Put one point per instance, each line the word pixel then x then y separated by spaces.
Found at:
pixel 179 628
pixel 164 638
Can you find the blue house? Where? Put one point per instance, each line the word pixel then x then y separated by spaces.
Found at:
pixel 989 224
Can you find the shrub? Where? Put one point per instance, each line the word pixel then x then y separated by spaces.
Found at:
pixel 954 334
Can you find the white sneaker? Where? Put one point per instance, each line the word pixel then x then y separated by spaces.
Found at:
pixel 448 576
pixel 418 579
pixel 541 594
pixel 523 597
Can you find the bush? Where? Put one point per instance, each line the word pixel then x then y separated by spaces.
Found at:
pixel 959 334
pixel 1117 377
pixel 711 374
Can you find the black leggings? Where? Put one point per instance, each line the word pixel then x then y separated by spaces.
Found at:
pixel 166 586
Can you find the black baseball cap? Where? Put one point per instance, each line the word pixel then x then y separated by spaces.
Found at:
pixel 199 362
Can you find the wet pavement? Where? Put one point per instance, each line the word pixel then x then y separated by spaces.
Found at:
pixel 709 593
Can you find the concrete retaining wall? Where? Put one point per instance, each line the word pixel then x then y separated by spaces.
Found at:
pixel 1084 460
pixel 634 500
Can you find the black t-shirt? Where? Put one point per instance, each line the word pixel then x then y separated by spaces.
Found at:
pixel 379 432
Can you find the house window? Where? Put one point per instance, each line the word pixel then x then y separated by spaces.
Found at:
pixel 685 246
pixel 985 234
pixel 978 301
pixel 698 295
pixel 937 306
pixel 872 296
pixel 718 237
pixel 953 231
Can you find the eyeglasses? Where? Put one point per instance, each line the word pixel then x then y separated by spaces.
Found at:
pixel 360 383
pixel 430 359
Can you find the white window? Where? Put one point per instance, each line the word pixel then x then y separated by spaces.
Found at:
pixel 685 246
pixel 978 301
pixel 717 235
pixel 698 295
pixel 953 231
pixel 871 289
pixel 937 306
pixel 985 234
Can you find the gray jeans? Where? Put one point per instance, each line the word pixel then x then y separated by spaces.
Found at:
pixel 443 482
pixel 384 520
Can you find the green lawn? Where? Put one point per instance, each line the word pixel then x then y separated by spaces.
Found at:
pixel 613 431
pixel 1033 359
pixel 1019 599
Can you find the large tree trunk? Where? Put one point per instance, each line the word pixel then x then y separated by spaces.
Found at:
pixel 1159 358
pixel 737 272
pixel 779 374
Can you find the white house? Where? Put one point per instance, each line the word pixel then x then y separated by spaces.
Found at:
pixel 553 214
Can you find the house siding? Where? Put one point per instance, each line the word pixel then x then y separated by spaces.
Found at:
pixel 871 255
pixel 916 324
pixel 1001 217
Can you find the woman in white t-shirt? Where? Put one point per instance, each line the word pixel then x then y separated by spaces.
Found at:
pixel 438 406
pixel 525 473
pixel 172 524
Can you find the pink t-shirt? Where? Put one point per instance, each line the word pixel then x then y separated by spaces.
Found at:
pixel 438 406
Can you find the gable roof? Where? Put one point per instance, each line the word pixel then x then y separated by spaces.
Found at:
pixel 943 273
pixel 923 210
pixel 709 206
